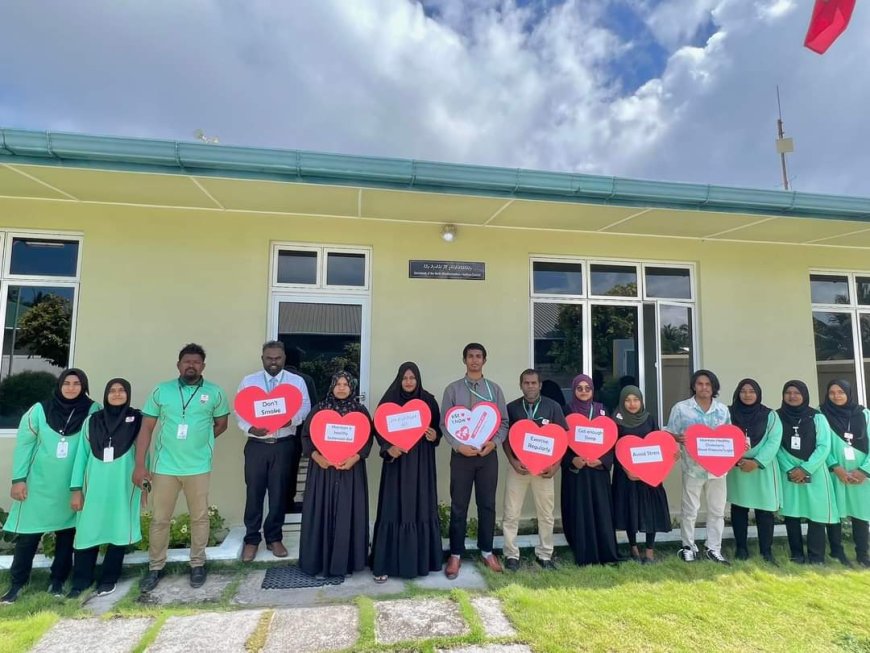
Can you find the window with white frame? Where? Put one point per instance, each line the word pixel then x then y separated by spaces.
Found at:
pixel 619 321
pixel 39 284
pixel 841 329
pixel 307 267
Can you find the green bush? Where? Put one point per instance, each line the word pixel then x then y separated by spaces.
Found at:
pixel 179 530
pixel 18 392
pixel 444 517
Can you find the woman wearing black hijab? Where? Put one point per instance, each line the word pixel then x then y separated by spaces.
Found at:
pixel 42 464
pixel 849 463
pixel 807 489
pixel 103 493
pixel 407 537
pixel 755 482
pixel 335 512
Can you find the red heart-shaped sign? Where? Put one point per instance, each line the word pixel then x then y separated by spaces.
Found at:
pixel 268 410
pixel 403 426
pixel 716 450
pixel 538 447
pixel 339 437
pixel 590 438
pixel 650 458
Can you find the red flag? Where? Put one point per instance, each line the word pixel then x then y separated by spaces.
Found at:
pixel 830 19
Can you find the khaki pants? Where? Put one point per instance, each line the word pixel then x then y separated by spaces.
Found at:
pixel 543 490
pixel 715 492
pixel 164 494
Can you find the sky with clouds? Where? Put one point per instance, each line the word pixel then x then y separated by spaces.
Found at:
pixel 681 90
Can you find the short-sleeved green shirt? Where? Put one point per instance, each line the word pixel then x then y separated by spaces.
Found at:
pixel 184 440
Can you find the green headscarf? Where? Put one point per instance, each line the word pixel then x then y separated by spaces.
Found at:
pixel 622 416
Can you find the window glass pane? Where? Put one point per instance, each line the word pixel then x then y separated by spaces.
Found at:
pixel 863 290
pixel 614 280
pixel 39 256
pixel 835 349
pixel 558 334
pixel 827 289
pixel 675 342
pixel 36 342
pixel 297 267
pixel 614 351
pixel 865 348
pixel 671 283
pixel 345 269
pixel 557 278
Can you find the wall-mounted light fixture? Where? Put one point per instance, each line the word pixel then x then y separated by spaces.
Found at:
pixel 448 233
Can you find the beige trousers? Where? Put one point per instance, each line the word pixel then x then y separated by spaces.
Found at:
pixel 543 490
pixel 164 494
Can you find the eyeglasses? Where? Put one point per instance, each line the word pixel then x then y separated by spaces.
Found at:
pixel 585 388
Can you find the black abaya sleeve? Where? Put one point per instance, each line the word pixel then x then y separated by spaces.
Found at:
pixel 367 447
pixel 307 445
pixel 435 422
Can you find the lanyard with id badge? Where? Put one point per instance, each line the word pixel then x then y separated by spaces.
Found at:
pixel 181 434
pixel 848 450
pixel 63 446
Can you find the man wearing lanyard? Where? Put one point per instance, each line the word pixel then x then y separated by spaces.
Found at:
pixel 471 467
pixel 541 410
pixel 190 413
pixel 268 456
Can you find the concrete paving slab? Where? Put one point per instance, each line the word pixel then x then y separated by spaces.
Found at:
pixel 251 593
pixel 488 648
pixel 98 605
pixel 93 635
pixel 412 619
pixel 495 623
pixel 469 578
pixel 215 632
pixel 305 630
pixel 177 589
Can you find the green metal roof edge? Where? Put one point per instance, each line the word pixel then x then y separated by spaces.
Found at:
pixel 172 157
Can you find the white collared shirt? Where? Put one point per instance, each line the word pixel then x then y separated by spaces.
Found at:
pixel 260 380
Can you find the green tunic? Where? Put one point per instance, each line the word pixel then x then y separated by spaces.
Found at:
pixel 46 508
pixel 110 514
pixel 814 500
pixel 852 500
pixel 760 489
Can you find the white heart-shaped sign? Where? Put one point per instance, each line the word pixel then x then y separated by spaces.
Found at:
pixel 473 427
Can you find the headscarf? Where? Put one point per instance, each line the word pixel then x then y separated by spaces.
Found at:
pixel 551 390
pixel 396 394
pixel 751 419
pixel 590 409
pixel 622 416
pixel 63 415
pixel 341 406
pixel 848 418
pixel 800 417
pixel 114 426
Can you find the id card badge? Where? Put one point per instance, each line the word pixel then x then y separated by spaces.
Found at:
pixel 62 449
pixel 849 452
pixel 182 432
pixel 108 454
pixel 545 421
pixel 795 442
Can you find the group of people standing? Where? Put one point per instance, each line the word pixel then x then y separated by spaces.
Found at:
pixel 83 470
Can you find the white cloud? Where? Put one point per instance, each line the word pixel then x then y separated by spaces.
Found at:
pixel 478 81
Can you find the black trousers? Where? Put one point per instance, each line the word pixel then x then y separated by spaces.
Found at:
pixel 293 479
pixel 25 548
pixel 481 474
pixel 649 539
pixel 740 524
pixel 815 540
pixel 860 535
pixel 267 468
pixel 86 562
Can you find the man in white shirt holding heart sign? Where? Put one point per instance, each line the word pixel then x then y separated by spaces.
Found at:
pixel 475 423
pixel 268 451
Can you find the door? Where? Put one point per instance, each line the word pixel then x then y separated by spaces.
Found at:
pixel 669 339
pixel 616 350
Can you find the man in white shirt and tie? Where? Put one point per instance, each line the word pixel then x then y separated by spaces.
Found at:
pixel 268 455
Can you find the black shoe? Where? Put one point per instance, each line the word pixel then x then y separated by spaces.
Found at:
pixel 864 562
pixel 56 589
pixel 105 588
pixel 73 594
pixel 798 560
pixel 197 577
pixel 547 565
pixel 512 564
pixel 741 554
pixel 149 581
pixel 11 595
pixel 769 559
pixel 845 561
pixel 716 557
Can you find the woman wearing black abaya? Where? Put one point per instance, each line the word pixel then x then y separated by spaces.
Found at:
pixel 407 538
pixel 335 513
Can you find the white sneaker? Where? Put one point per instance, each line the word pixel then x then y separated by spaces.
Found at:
pixel 687 554
pixel 715 556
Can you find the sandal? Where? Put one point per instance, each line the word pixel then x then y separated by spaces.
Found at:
pixel 380 580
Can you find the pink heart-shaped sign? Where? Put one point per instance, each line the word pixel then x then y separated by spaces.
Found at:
pixel 268 410
pixel 473 427
pixel 650 458
pixel 716 450
pixel 403 426
pixel 538 447
pixel 339 437
pixel 590 438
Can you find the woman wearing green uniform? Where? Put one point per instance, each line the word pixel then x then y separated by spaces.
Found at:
pixel 755 482
pixel 45 449
pixel 103 492
pixel 807 489
pixel 849 463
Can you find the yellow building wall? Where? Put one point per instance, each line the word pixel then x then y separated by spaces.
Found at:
pixel 154 279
